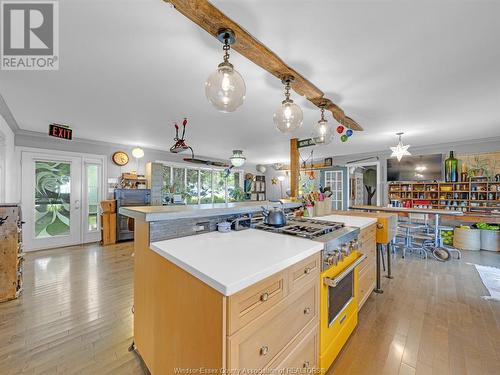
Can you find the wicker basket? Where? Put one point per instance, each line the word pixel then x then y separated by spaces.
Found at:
pixel 490 240
pixel 467 239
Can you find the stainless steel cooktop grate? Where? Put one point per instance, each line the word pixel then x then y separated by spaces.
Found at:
pixel 307 228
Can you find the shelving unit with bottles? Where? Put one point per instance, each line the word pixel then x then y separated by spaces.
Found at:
pixel 476 195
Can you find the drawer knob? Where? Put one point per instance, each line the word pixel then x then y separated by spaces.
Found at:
pixel 307 270
pixel 306 364
pixel 264 297
pixel 264 350
pixel 307 311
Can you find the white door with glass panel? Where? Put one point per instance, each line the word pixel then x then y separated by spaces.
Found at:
pixel 335 181
pixel 60 195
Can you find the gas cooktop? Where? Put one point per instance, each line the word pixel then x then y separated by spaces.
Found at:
pixel 307 228
pixel 333 235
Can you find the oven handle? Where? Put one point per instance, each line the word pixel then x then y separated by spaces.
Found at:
pixel 335 281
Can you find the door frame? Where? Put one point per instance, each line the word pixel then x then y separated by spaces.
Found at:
pixel 379 179
pixel 85 158
pixel 345 183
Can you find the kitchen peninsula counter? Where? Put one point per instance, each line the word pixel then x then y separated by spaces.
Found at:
pixel 174 212
pixel 360 222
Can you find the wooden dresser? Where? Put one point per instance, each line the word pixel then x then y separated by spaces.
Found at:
pixel 183 323
pixel 11 255
pixel 367 271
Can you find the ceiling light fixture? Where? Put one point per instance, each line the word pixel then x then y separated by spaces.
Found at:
pixel 225 88
pixel 288 117
pixel 137 152
pixel 322 131
pixel 237 159
pixel 400 150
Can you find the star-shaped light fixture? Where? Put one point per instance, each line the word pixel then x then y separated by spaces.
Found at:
pixel 400 150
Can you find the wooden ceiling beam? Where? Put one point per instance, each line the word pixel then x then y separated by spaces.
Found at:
pixel 211 19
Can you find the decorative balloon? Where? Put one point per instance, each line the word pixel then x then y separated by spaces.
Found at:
pixel 340 129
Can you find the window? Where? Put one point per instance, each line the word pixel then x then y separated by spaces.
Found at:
pixel 92 196
pixel 218 186
pixel 334 180
pixel 202 185
pixel 205 186
pixel 234 189
pixel 178 180
pixel 192 190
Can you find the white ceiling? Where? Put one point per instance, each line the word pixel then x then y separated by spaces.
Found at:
pixel 128 69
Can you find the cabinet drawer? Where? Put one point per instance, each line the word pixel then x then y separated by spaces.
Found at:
pixel 302 358
pixel 250 303
pixel 369 248
pixel 368 233
pixel 257 344
pixel 303 272
pixel 366 283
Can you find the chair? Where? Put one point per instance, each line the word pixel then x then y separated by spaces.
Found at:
pixel 408 236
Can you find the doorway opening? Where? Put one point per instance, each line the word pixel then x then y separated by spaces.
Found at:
pixel 60 198
pixel 364 183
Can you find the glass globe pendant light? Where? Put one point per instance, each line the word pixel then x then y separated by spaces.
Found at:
pixel 225 88
pixel 322 130
pixel 237 159
pixel 288 117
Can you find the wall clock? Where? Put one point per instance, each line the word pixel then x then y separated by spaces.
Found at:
pixel 120 158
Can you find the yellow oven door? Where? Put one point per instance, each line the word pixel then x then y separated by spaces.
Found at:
pixel 339 307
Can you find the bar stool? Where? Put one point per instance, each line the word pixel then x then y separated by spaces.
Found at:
pixel 409 229
pixel 429 245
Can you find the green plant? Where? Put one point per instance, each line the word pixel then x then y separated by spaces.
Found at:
pixel 236 194
pixel 479 167
pixel 486 226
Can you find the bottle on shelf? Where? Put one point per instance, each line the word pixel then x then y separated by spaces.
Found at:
pixel 451 168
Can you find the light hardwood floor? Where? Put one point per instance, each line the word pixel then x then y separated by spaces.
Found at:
pixel 74 317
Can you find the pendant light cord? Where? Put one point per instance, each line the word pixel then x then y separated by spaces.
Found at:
pixel 287 90
pixel 226 49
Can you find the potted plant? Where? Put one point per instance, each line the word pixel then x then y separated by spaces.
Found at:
pixel 478 168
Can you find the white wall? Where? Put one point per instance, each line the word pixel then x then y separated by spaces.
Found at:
pixel 471 146
pixel 9 165
pixel 38 140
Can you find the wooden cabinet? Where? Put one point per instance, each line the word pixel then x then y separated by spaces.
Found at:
pixel 108 222
pixel 11 255
pixel 303 356
pixel 367 269
pixel 261 341
pixel 181 322
pixel 252 302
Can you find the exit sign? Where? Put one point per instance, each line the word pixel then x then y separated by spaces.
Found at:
pixel 60 131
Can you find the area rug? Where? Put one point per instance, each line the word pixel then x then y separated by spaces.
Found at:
pixel 490 276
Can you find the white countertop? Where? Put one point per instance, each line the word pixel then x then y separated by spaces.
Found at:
pixel 351 221
pixel 160 213
pixel 230 262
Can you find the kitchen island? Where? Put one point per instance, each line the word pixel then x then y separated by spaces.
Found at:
pixel 244 299
pixel 247 299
